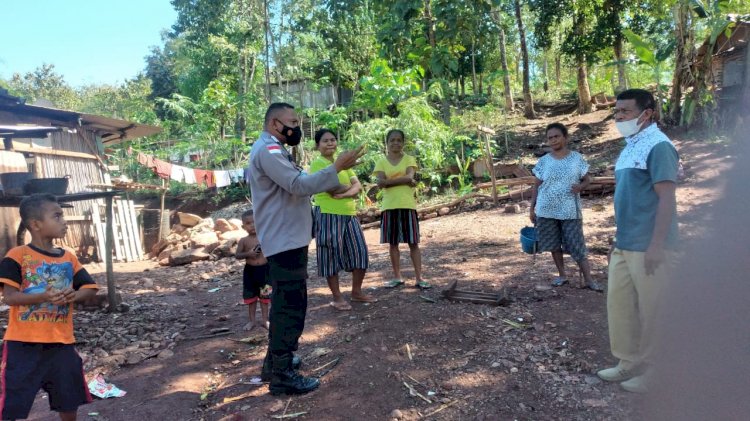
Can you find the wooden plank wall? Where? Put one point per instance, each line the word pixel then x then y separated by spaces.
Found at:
pixel 82 172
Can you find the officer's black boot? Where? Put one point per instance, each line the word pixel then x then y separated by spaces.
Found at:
pixel 284 380
pixel 265 372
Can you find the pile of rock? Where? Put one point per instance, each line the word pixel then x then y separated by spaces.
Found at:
pixel 194 239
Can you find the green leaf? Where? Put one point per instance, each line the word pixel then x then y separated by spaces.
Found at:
pixel 699 8
pixel 643 49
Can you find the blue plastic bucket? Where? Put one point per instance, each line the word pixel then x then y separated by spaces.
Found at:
pixel 528 240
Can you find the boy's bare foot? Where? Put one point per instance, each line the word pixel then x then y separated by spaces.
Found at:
pixel 363 298
pixel 249 326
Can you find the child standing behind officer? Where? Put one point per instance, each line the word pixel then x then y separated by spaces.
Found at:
pixel 40 283
pixel 255 284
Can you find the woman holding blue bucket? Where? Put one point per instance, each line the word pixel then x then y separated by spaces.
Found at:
pixel 555 209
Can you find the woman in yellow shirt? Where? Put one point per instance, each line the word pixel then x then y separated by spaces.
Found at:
pixel 340 242
pixel 398 222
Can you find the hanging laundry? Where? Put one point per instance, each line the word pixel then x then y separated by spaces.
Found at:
pixel 146 160
pixel 223 178
pixel 238 175
pixel 183 174
pixel 205 177
pixel 163 169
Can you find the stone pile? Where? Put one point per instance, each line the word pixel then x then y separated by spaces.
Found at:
pixel 195 239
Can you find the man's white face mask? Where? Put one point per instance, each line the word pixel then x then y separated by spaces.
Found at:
pixel 630 127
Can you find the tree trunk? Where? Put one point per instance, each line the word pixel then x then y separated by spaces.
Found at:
pixel 473 68
pixel 430 24
pixel 241 92
pixel 506 75
pixel 545 72
pixel 462 80
pixel 622 82
pixel 584 95
pixel 557 70
pixel 481 89
pixel 682 60
pixel 528 102
pixel 268 56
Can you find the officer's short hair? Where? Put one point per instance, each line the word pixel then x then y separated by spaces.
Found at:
pixel 274 109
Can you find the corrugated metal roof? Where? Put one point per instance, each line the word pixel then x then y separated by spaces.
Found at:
pixel 112 130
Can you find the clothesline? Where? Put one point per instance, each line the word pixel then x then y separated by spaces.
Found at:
pixel 209 178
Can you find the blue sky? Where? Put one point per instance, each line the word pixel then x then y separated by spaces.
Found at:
pixel 88 41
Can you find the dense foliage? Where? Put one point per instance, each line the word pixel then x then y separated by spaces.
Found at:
pixel 411 64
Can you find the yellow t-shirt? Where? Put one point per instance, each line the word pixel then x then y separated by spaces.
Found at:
pixel 397 197
pixel 326 202
pixel 30 270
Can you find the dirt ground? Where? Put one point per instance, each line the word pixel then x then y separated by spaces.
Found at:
pixel 533 359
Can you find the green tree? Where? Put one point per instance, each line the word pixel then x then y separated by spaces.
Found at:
pixel 44 83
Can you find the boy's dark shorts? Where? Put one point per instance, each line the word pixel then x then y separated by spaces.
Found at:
pixel 255 284
pixel 28 367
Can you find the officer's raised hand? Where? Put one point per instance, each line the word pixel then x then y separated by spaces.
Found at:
pixel 348 159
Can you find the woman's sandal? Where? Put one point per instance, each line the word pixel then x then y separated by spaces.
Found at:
pixel 393 283
pixel 559 281
pixel 423 285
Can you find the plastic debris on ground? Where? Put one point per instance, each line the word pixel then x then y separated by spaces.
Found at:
pixel 101 389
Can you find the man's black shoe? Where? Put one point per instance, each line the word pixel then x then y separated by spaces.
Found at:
pixel 290 382
pixel 265 372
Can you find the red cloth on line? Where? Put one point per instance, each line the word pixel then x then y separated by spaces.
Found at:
pixel 162 169
pixel 205 177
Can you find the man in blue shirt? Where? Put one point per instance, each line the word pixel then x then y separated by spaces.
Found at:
pixel 645 216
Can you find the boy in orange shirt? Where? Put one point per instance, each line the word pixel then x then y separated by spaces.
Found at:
pixel 40 283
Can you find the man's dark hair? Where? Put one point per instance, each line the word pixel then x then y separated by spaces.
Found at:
pixel 558 126
pixel 247 213
pixel 32 207
pixel 275 108
pixel 319 134
pixel 642 97
pixel 392 131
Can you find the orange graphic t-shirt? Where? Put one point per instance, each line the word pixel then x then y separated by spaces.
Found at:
pixel 31 270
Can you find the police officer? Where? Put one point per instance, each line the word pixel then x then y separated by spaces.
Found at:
pixel 283 219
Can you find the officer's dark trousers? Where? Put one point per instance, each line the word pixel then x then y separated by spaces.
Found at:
pixel 288 275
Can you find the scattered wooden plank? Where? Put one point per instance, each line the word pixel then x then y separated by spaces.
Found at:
pixel 116 241
pixel 136 230
pixel 99 229
pixel 495 299
pixel 123 230
pixel 130 227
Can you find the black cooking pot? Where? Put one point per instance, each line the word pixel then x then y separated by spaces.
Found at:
pixel 13 182
pixel 55 186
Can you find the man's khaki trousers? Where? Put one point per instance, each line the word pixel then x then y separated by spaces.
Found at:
pixel 632 299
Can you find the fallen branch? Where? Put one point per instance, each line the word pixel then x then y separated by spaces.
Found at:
pixel 237 398
pixel 250 339
pixel 408 352
pixel 442 407
pixel 414 392
pixel 414 380
pixel 213 335
pixel 285 416
pixel 514 324
pixel 326 364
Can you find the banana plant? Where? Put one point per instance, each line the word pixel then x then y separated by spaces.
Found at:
pixel 655 58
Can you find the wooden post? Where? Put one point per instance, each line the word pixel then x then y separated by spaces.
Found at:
pixel 161 209
pixel 484 133
pixel 111 289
